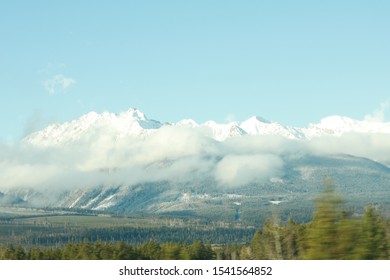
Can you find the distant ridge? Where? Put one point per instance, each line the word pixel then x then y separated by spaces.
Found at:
pixel 135 123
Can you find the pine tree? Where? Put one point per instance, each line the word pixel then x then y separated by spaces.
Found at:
pixel 35 254
pixel 322 235
pixel 86 251
pixel 257 246
pixel 150 250
pixel 373 243
pixel 10 253
pixel 348 234
pixel 2 253
pixel 70 251
pixel 291 241
pixel 246 253
pixel 20 254
pixel 171 251
pixel 124 251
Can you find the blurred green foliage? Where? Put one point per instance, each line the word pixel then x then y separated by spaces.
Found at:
pixel 332 234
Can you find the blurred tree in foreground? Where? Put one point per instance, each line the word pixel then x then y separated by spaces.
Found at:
pixel 322 239
pixel 331 235
pixel 373 241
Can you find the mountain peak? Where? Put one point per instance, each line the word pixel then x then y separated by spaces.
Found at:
pixel 336 121
pixel 187 123
pixel 134 113
pixel 259 119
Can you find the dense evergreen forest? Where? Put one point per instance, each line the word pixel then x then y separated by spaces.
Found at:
pixel 333 233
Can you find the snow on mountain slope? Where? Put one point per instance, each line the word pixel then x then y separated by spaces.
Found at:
pixel 131 122
pixel 221 132
pixel 259 126
pixel 359 179
pixel 187 123
pixel 338 125
pixel 134 123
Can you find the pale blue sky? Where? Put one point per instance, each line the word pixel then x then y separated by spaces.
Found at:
pixel 294 62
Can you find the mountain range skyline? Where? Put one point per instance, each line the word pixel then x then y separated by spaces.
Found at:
pixel 128 162
pixel 127 148
pixel 135 122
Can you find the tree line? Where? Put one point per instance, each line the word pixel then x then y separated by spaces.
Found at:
pixel 331 234
pixel 99 250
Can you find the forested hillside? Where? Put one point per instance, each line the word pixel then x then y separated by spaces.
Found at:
pixel 333 233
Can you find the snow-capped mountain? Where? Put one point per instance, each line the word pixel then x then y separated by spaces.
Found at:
pixel 134 123
pixel 129 163
pixel 338 125
pixel 259 126
pixel 187 123
pixel 300 184
pixel 221 132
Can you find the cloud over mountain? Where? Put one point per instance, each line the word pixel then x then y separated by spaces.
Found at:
pixel 126 149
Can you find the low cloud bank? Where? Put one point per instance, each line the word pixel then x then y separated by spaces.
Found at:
pixel 176 154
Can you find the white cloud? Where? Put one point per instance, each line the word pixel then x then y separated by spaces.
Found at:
pixel 236 170
pixel 176 154
pixel 374 146
pixel 58 84
pixel 378 115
